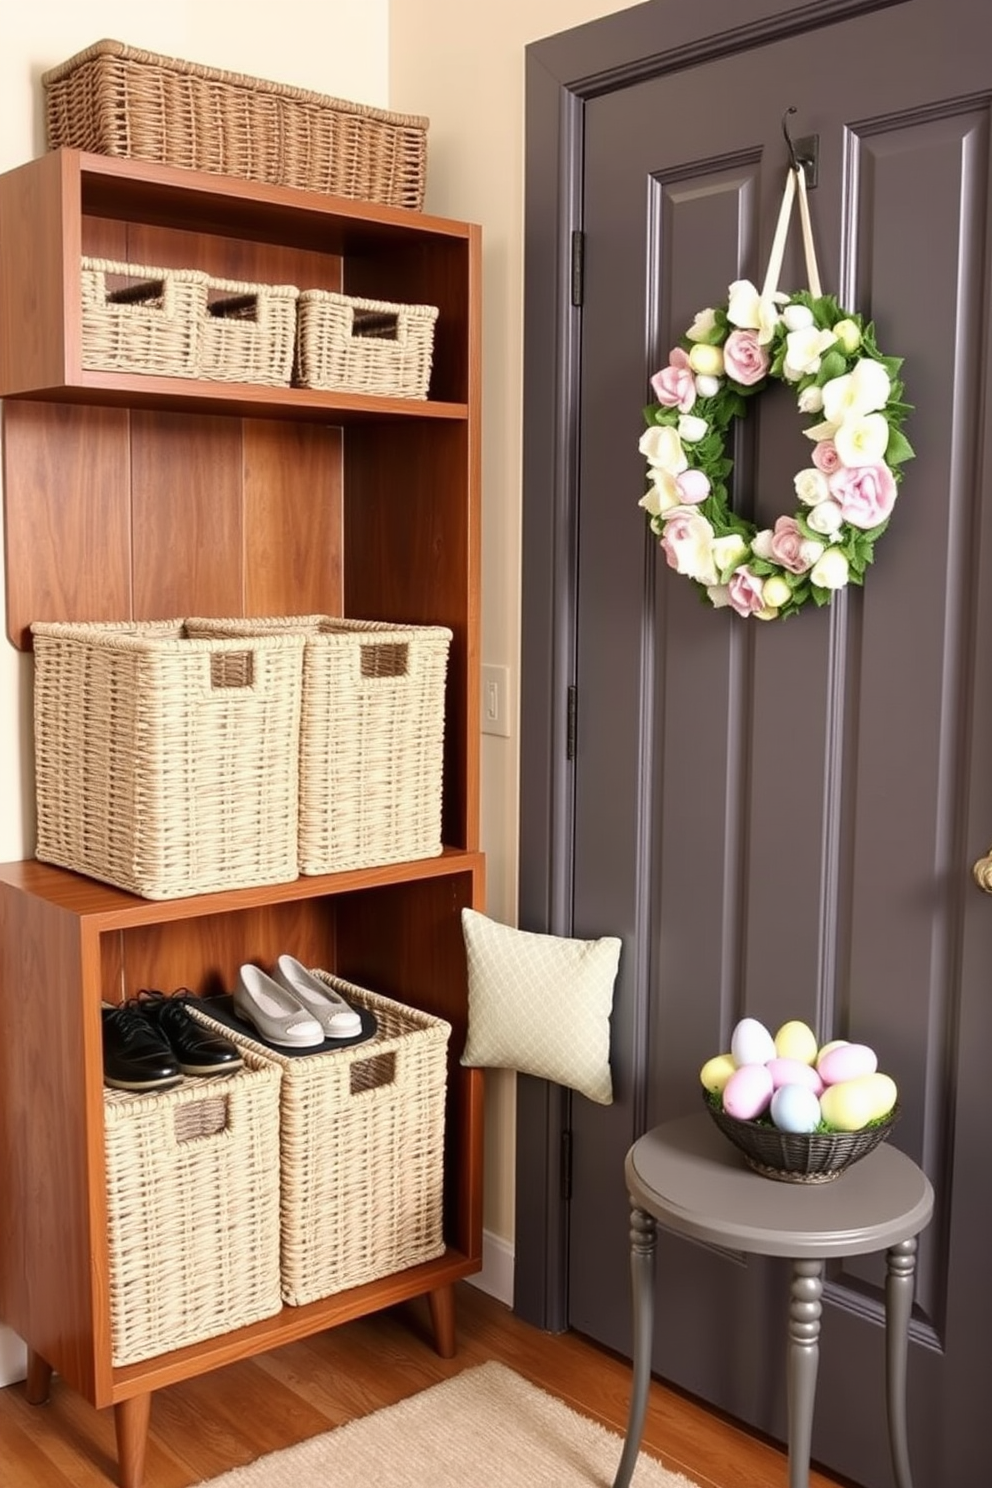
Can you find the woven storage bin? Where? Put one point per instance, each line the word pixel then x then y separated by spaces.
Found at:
pixel 138 319
pixel 362 1150
pixel 371 737
pixel 192 1209
pixel 114 99
pixel 363 346
pixel 167 765
pixel 182 323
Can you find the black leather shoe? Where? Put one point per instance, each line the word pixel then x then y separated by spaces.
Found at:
pixel 135 1055
pixel 196 1049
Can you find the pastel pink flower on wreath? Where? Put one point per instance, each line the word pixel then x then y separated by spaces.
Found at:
pixel 865 494
pixel 744 592
pixel 825 456
pixel 675 385
pixel 744 359
pixel 688 544
pixel 790 548
pixel 693 486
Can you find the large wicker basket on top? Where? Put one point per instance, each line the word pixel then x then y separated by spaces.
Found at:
pixel 115 99
pixel 167 765
pixel 371 736
pixel 192 1209
pixel 361 1149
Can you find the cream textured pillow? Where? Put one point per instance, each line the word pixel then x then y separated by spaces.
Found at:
pixel 540 1004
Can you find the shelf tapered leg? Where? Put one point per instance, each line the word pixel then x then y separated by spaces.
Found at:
pixel 38 1383
pixel 442 1305
pixel 131 1423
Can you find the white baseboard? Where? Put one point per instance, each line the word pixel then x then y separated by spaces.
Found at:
pixel 13 1357
pixel 496 1276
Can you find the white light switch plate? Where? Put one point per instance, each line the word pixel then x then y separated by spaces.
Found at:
pixel 496 700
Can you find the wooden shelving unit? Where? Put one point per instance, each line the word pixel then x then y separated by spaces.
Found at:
pixel 146 497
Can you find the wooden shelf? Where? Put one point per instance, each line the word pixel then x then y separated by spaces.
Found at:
pixel 139 498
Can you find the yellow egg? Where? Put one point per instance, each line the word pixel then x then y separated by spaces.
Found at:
pixel 851 1104
pixel 796 1040
pixel 716 1072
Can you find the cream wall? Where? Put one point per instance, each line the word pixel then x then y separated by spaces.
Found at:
pixel 462 64
pixel 339 47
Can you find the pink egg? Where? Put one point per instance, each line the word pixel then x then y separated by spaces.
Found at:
pixel 794 1072
pixel 748 1092
pixel 847 1062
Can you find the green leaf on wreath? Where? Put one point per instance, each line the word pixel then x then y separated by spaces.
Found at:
pixel 898 449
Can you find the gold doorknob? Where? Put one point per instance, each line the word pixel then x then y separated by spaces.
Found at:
pixel 982 872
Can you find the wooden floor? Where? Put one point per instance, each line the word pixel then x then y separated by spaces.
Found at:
pixel 221 1420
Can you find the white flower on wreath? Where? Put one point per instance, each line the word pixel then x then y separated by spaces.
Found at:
pixel 864 390
pixel 662 448
pixel 691 428
pixel 751 311
pixel 862 441
pixel 811 486
pixel 832 571
pixel 728 552
pixel 825 518
pixel 803 352
pixel 704 325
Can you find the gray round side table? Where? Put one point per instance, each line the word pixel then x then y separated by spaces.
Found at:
pixel 684 1176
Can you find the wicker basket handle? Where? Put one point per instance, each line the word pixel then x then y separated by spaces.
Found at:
pixel 384 659
pixel 201 1120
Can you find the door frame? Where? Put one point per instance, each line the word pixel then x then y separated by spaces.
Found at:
pixel 562 73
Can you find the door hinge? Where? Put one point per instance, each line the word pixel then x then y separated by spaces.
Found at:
pixel 566 1166
pixel 572 706
pixel 578 266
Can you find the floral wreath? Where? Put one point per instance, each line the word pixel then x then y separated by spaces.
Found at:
pixel 846 495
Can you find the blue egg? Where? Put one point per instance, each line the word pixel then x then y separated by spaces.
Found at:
pixel 795 1108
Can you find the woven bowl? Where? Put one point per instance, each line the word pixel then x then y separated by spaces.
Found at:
pixel 792 1157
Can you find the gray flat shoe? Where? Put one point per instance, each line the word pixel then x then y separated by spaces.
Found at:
pixel 274 1012
pixel 336 1017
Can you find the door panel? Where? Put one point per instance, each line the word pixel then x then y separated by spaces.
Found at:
pixel 779 820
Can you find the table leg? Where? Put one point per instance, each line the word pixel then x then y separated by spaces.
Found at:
pixel 805 1307
pixel 899 1284
pixel 643 1239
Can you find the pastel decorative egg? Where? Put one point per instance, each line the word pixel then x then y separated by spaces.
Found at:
pixel 794 1072
pixel 795 1108
pixel 828 1048
pixel 852 1104
pixel 751 1043
pixel 748 1092
pixel 846 1062
pixel 796 1040
pixel 716 1072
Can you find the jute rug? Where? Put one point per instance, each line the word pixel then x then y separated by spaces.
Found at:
pixel 485 1428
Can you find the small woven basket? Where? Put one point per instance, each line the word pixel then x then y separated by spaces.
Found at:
pixel 364 346
pixel 192 1209
pixel 183 323
pixel 362 1149
pixel 165 764
pixel 117 100
pixel 138 319
pixel 371 737
pixel 794 1157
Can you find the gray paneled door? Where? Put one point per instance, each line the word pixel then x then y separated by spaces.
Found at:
pixel 779 819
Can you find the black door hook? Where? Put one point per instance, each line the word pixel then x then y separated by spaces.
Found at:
pixel 804 154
